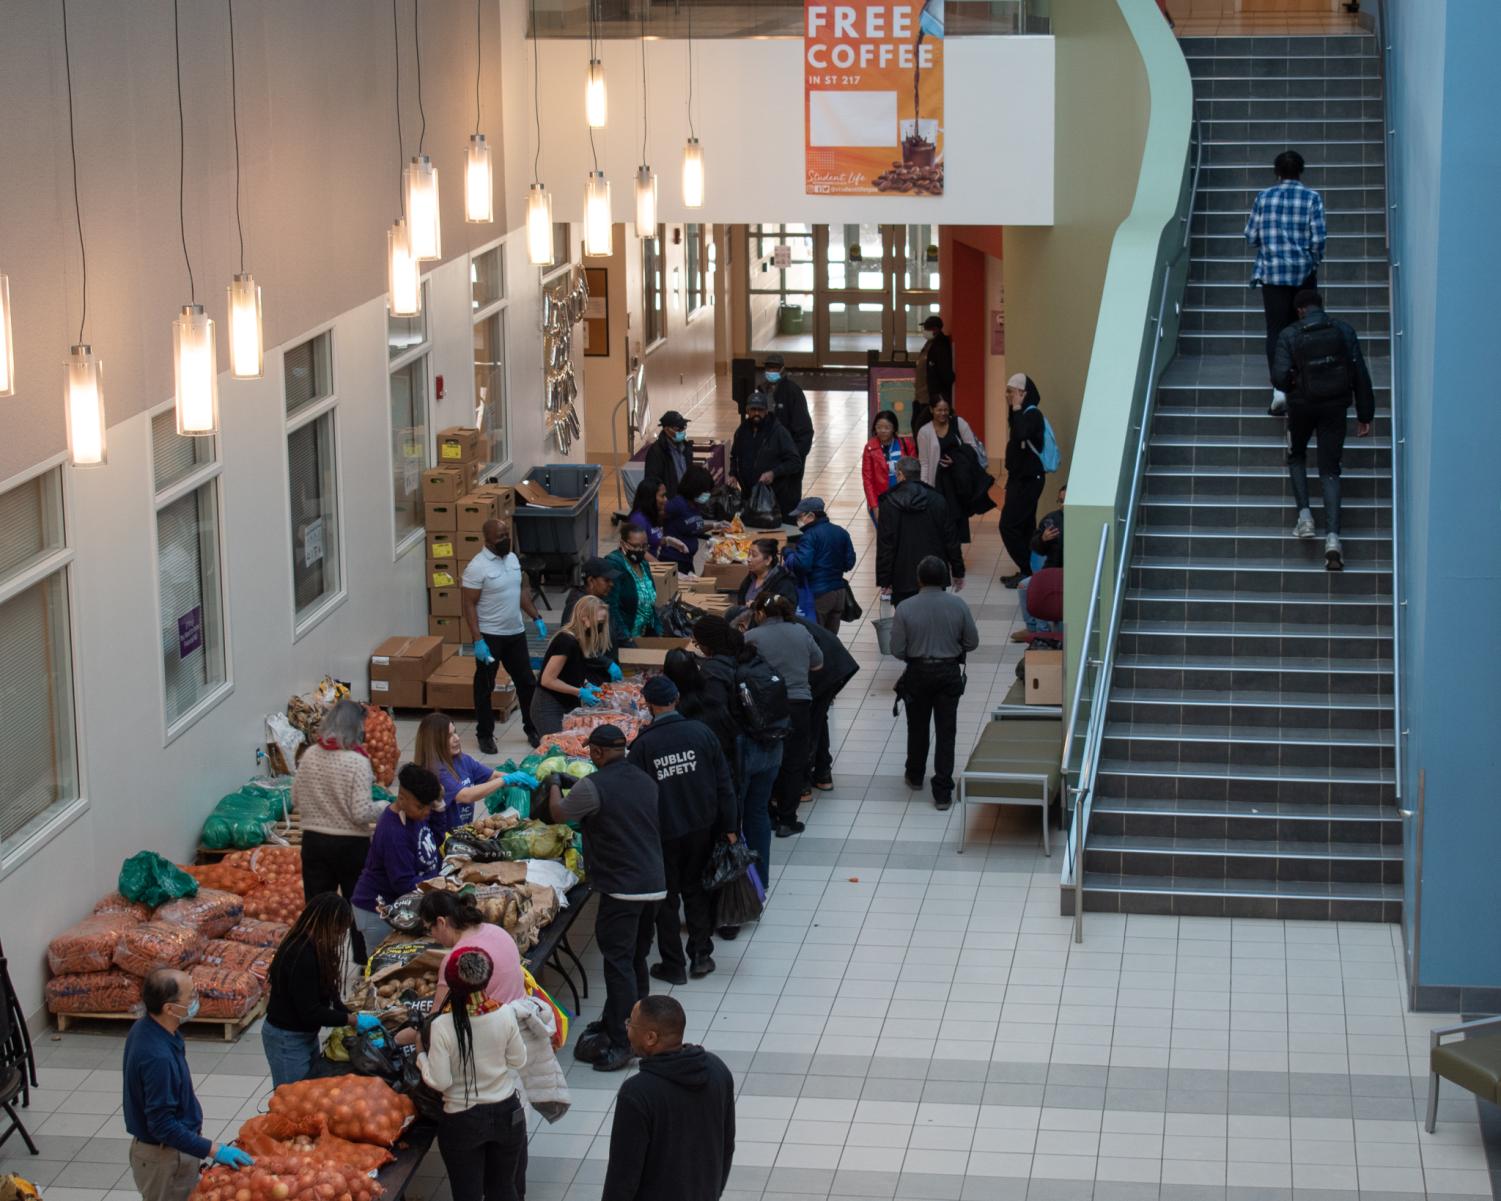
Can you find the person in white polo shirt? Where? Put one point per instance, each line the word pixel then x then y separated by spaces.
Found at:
pixel 497 599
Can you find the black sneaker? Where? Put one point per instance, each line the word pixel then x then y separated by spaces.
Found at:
pixel 701 967
pixel 669 975
pixel 913 784
pixel 487 746
pixel 614 1060
pixel 942 803
pixel 824 785
pixel 1011 581
pixel 534 740
pixel 788 829
pixel 728 933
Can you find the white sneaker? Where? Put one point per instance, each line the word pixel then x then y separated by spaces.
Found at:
pixel 1279 403
pixel 1334 555
pixel 1304 528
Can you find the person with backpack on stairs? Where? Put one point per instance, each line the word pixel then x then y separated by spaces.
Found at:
pixel 1319 365
pixel 1031 452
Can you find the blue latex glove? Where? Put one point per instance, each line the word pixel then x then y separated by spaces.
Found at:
pixel 522 779
pixel 367 1022
pixel 482 651
pixel 541 628
pixel 232 1157
pixel 615 673
pixel 589 694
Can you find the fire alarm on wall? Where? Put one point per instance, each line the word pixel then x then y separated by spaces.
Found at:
pixel 438 387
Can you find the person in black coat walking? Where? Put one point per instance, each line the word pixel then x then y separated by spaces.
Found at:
pixel 935 372
pixel 839 668
pixel 789 405
pixel 673 1136
pixel 670 453
pixel 911 523
pixel 1024 474
pixel 763 453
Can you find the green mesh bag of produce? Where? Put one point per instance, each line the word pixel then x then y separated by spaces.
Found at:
pixel 536 841
pixel 152 880
pixel 239 820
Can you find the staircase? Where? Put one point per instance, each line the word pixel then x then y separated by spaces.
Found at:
pixel 1246 767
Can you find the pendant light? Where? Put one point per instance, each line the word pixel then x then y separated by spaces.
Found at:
pixel 83 374
pixel 194 362
pixel 7 344
pixel 538 200
pixel 646 180
pixel 596 106
pixel 424 219
pixel 598 226
pixel 246 329
pixel 403 275
pixel 479 204
pixel 693 153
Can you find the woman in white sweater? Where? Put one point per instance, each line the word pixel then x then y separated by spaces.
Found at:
pixel 331 792
pixel 936 443
pixel 474 1055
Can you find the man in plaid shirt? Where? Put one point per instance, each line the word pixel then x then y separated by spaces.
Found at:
pixel 1286 226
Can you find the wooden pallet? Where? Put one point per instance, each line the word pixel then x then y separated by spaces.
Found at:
pixel 232 1027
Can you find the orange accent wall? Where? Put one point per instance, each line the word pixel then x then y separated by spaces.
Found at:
pixel 962 251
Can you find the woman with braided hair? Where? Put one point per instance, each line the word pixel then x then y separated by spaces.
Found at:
pixel 473 1056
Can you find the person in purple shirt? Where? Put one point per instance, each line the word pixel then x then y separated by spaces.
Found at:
pixel 162 1114
pixel 403 852
pixel 465 781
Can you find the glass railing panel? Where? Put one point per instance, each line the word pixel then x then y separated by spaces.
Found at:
pixel 760 18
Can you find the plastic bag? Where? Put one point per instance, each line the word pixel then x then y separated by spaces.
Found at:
pixel 213 912
pixel 152 880
pixel 512 796
pixel 727 862
pixel 115 903
pixel 237 880
pixel 761 509
pixel 286 1178
pixel 89 945
pixel 94 992
pixel 380 743
pixel 400 954
pixel 254 932
pixel 367 1057
pixel 238 957
pixel 536 841
pixel 282 743
pixel 359 1108
pixel 738 902
pixel 481 850
pixel 224 992
pixel 401 914
pixel 155 944
pixel 238 820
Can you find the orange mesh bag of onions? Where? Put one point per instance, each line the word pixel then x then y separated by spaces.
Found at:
pixel 273 1134
pixel 238 880
pixel 287 1178
pixel 380 744
pixel 359 1108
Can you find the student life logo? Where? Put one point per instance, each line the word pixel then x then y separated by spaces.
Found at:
pixel 873 97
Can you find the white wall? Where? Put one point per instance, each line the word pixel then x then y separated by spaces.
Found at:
pixel 142 794
pixel 748 99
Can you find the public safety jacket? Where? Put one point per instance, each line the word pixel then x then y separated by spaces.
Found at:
pixel 694 788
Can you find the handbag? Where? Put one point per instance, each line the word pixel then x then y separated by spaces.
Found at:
pixel 852 610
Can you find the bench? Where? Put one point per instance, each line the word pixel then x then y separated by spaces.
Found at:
pixel 553 945
pixel 415 1143
pixel 1473 1063
pixel 1016 761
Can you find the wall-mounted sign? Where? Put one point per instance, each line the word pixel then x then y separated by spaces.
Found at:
pixel 873 97
pixel 190 631
pixel 781 256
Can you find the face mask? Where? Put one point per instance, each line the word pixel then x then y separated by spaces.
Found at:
pixel 928 334
pixel 680 435
pixel 636 556
pixel 191 1010
pixel 702 499
pixel 773 376
pixel 502 546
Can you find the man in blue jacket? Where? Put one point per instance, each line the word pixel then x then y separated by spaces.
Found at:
pixel 820 558
pixel 162 1114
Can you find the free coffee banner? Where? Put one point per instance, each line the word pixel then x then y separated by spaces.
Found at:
pixel 873 97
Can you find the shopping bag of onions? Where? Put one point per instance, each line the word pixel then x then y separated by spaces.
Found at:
pixel 276 903
pixel 238 880
pixel 359 1108
pixel 271 1134
pixel 287 1178
pixel 380 744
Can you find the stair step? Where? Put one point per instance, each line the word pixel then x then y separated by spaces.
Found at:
pixel 1249 735
pixel 1249 848
pixel 1106 892
pixel 1167 470
pixel 1225 698
pixel 1261 502
pixel 1235 860
pixel 1270 664
pixel 1243 532
pixel 1284 822
pixel 1279 775
pixel 1259 441
pixel 1184 563
pixel 1250 630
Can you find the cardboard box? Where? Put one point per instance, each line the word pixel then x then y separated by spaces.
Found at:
pixel 505 498
pixel 395 694
pixel 535 494
pixel 451 686
pixel 440 544
pixel 406 660
pixel 441 517
pixel 467 544
pixel 443 485
pixel 450 629
pixel 651 652
pixel 665 577
pixel 444 602
pixel 700 586
pixel 727 577
pixel 444 573
pixel 472 511
pixel 471 476
pixel 458 444
pixel 1044 677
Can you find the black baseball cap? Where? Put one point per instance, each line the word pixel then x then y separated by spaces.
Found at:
pixel 757 400
pixel 597 568
pixel 775 360
pixel 673 420
pixel 606 737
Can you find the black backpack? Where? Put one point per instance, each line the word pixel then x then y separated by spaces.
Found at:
pixel 761 700
pixel 1322 362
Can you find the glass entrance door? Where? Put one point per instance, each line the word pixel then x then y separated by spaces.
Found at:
pixel 854 301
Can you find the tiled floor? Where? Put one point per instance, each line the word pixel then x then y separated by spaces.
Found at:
pixel 906 1022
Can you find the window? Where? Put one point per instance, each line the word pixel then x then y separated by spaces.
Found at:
pixel 308 372
pixel 190 584
pixel 487 278
pixel 491 387
pixel 405 334
pixel 408 446
pixel 653 295
pixel 313 493
pixel 38 733
pixel 562 247
pixel 696 264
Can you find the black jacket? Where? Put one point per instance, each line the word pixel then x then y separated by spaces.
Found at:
pixel 1052 551
pixel 940 367
pixel 839 666
pixel 297 1001
pixel 673 1138
pixel 790 405
pixel 617 809
pixel 779 582
pixel 912 523
pixel 660 465
pixel 769 448
pixel 1024 432
pixel 694 788
pixel 1285 376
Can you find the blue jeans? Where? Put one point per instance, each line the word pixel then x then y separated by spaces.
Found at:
pixel 290 1053
pixel 372 926
pixel 758 768
pixel 1035 624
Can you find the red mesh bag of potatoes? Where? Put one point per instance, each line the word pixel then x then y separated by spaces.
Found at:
pixel 149 945
pixel 287 1178
pixel 359 1108
pixel 256 933
pixel 94 992
pixel 115 903
pixel 238 880
pixel 212 912
pixel 380 744
pixel 275 1134
pixel 238 957
pixel 224 992
pixel 89 945
pixel 275 903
